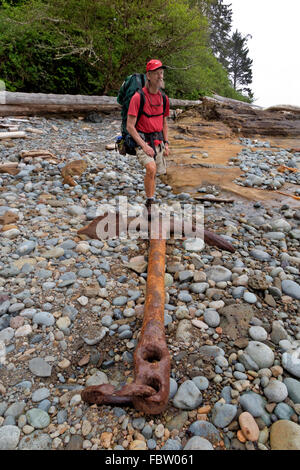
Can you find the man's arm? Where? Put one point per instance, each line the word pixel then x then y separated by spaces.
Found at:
pixel 131 121
pixel 165 133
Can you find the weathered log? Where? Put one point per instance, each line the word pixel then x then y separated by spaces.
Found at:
pixel 15 103
pixel 10 168
pixel 12 135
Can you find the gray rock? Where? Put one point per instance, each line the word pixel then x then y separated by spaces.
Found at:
pixel 249 297
pixel 173 388
pixel 171 444
pixel 199 287
pixel 291 363
pixel 44 318
pixel 293 387
pixel 206 430
pixel 184 331
pixel 15 410
pixel 258 333
pixel 38 418
pixel 120 301
pixel 185 276
pixel 281 225
pixel 260 353
pixel 193 244
pixel 211 351
pixel 278 332
pixel 276 391
pixel 212 318
pixel 26 247
pixel 138 423
pixel 188 396
pixel 98 378
pixel 260 255
pixel 36 441
pixel 218 274
pixel 184 296
pixel 253 403
pixel 39 367
pixel 201 382
pixel 198 443
pixel 40 394
pixel 291 288
pixel 223 414
pixel 283 411
pixel 9 437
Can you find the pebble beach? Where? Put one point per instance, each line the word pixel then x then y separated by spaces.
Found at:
pixel 71 308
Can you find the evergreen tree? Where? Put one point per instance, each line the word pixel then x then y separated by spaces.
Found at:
pixel 240 65
pixel 220 17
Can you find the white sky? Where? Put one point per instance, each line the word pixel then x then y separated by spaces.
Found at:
pixel 274 48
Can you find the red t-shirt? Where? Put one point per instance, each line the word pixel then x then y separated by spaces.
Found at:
pixel 153 105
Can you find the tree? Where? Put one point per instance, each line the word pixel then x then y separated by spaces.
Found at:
pixel 240 65
pixel 220 17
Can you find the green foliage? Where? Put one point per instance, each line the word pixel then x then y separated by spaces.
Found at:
pixel 90 46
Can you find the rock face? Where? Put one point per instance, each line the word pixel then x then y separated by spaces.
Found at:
pixel 248 120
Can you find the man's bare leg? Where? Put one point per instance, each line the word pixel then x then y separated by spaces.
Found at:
pixel 149 180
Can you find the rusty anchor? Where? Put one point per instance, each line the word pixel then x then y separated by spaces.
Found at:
pixel 150 390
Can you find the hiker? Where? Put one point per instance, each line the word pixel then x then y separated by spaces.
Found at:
pixel 151 131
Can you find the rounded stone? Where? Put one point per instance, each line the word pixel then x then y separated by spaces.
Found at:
pixel 212 318
pixel 40 394
pixel 193 244
pixel 249 297
pixel 173 388
pixel 276 391
pixel 9 437
pixel 291 288
pixel 283 411
pixel 188 396
pixel 205 429
pixel 38 418
pixel 249 426
pixel 258 333
pixel 260 353
pixel 285 435
pixel 201 382
pixel 291 363
pixel 218 274
pixel 293 387
pixel 36 441
pixel 39 367
pixel 198 443
pixel 223 414
pixel 98 378
pixel 44 318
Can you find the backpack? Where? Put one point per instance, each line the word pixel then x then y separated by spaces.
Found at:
pixel 133 83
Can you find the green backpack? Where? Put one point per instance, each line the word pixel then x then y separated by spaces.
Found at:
pixel 132 84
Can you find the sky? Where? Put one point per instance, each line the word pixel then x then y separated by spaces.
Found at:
pixel 274 47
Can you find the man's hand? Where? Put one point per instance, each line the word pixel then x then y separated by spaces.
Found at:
pixel 148 150
pixel 166 151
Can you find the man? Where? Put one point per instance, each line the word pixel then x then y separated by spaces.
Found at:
pixel 151 131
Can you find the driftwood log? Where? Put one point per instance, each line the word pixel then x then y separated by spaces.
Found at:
pixel 26 104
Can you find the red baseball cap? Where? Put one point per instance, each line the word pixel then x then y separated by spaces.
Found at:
pixel 154 64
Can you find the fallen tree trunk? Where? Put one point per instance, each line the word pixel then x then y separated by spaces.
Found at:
pixel 27 104
pixel 12 135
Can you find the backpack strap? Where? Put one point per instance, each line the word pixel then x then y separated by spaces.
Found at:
pixel 142 102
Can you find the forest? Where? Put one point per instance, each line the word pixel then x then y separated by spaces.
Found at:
pixel 90 46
